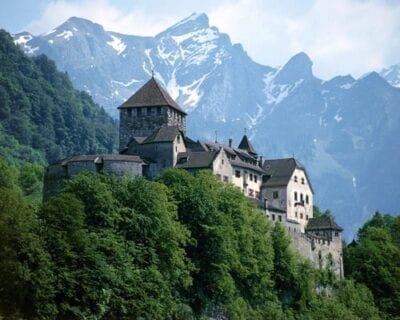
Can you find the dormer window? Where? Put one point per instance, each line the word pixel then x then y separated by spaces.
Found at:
pixel 295 178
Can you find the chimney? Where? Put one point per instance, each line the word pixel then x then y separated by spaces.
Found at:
pixel 230 143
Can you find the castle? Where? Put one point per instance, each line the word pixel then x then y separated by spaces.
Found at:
pixel 153 138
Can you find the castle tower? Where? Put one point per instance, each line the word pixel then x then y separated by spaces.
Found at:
pixel 149 109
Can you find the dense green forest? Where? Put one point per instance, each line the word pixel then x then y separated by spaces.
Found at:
pixel 42 117
pixel 181 247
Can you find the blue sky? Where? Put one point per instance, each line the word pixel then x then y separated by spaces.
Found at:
pixel 340 36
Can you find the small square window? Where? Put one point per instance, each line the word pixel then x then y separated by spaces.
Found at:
pixel 237 173
pixel 273 217
pixel 302 180
pixel 295 178
pixel 280 218
pixel 255 178
pixel 251 177
pixel 226 179
pixel 275 195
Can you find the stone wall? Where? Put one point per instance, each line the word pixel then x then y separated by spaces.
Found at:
pixel 319 251
pixel 143 121
pixel 56 174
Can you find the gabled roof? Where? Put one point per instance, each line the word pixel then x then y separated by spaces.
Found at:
pixel 164 134
pixel 237 157
pixel 323 223
pixel 151 94
pixel 281 170
pixel 245 144
pixel 196 160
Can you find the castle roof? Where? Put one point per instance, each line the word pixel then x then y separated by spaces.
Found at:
pixel 163 134
pixel 196 159
pixel 323 223
pixel 245 144
pixel 98 158
pixel 151 94
pixel 280 171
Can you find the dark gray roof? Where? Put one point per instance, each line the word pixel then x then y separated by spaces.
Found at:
pixel 196 160
pixel 245 144
pixel 164 134
pixel 272 208
pixel 101 157
pixel 151 94
pixel 323 223
pixel 246 165
pixel 281 170
pixel 241 156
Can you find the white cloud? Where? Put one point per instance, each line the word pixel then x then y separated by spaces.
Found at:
pixel 340 36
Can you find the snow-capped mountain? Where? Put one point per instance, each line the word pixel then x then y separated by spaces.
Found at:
pixel 392 75
pixel 345 130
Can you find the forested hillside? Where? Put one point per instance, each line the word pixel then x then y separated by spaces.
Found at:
pixel 42 117
pixel 184 247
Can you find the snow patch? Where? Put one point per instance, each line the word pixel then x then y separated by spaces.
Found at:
pixel 66 34
pixel 51 41
pixel 338 118
pixel 127 84
pixel 275 94
pixel 253 120
pixel 50 32
pixel 347 86
pixel 117 44
pixel 354 182
pixel 30 50
pixel 23 39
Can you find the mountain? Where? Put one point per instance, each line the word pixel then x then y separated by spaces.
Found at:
pixel 344 130
pixel 42 117
pixel 392 75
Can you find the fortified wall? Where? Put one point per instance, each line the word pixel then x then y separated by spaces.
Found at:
pixel 321 252
pixel 120 165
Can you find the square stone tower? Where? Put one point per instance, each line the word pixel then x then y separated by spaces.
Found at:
pixel 149 109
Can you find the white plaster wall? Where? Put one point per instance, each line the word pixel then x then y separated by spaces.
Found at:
pixel 305 211
pixel 222 166
pixel 245 179
pixel 178 146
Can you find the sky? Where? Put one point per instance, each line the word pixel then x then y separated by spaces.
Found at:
pixel 340 36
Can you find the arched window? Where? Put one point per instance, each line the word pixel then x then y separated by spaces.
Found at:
pixel 307 199
pixel 301 197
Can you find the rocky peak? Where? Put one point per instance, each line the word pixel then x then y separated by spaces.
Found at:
pixel 298 67
pixel 196 21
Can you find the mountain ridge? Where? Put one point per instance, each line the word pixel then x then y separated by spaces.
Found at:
pixel 336 127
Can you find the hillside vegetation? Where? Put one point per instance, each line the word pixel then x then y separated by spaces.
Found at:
pixel 184 247
pixel 42 117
